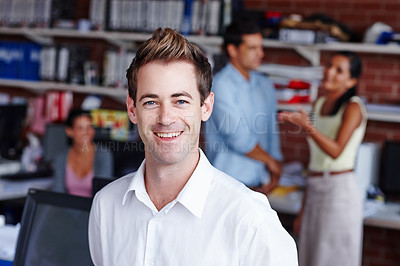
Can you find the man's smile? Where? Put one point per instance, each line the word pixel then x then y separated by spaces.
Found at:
pixel 168 134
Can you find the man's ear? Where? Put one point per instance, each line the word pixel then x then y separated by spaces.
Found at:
pixel 130 107
pixel 207 107
pixel 232 50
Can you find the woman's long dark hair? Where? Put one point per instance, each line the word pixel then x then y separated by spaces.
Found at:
pixel 355 72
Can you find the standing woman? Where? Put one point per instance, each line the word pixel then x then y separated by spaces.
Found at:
pixel 76 166
pixel 330 220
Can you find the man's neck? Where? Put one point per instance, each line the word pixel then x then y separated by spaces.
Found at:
pixel 164 182
pixel 245 72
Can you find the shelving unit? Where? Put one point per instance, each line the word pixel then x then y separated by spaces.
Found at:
pixel 40 87
pixel 384 116
pixel 213 43
pixel 310 52
pixel 46 36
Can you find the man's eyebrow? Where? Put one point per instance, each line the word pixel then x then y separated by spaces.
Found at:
pixel 179 94
pixel 153 96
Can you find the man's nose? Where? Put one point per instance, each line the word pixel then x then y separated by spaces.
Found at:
pixel 166 115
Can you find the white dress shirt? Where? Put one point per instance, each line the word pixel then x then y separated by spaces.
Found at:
pixel 215 220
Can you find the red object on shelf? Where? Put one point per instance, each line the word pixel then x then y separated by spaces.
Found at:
pixel 299 99
pixel 299 85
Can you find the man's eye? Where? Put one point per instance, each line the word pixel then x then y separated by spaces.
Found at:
pixel 181 102
pixel 149 103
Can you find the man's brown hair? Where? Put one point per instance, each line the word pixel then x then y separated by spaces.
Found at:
pixel 167 46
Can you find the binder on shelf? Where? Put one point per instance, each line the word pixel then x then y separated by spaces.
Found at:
pixel 109 67
pixel 79 55
pixel 58 105
pixel 29 13
pixel 175 12
pixel 196 17
pixel 213 17
pixel 63 15
pixel 97 14
pixel 29 69
pixel 138 15
pixel 115 64
pixel 16 13
pixel 48 58
pixel 151 16
pixel 5 7
pixel 62 64
pixel 115 15
pixel 187 18
pixel 126 14
pixel 42 13
pixel 11 58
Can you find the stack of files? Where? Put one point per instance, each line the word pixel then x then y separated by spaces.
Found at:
pixel 293 72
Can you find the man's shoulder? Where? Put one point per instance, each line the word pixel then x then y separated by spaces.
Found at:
pixel 116 189
pixel 225 74
pixel 262 78
pixel 242 199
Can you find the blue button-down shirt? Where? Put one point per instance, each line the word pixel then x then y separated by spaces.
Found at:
pixel 244 115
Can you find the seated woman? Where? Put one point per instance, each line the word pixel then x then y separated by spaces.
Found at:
pixel 76 166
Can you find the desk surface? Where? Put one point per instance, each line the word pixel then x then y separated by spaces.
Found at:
pixel 386 216
pixel 18 189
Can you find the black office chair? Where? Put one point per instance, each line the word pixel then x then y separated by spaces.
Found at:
pixel 98 183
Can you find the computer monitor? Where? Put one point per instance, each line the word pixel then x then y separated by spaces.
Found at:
pixel 54 230
pixel 389 181
pixel 12 118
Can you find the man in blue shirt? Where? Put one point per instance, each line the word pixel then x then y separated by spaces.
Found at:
pixel 242 134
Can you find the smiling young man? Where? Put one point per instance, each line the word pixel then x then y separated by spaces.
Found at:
pixel 177 209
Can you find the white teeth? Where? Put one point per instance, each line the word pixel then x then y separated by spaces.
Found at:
pixel 168 135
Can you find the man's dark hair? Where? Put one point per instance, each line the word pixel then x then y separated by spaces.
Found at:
pixel 238 28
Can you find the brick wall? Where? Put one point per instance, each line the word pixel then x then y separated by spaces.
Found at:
pixel 356 14
pixel 381 247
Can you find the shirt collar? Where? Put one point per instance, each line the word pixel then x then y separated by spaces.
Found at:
pixel 238 76
pixel 194 194
pixel 137 184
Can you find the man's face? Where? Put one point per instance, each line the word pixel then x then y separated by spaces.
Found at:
pixel 168 112
pixel 248 56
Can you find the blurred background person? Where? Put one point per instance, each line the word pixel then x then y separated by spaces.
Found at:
pixel 242 136
pixel 75 167
pixel 330 221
